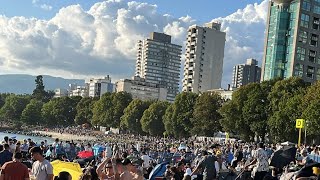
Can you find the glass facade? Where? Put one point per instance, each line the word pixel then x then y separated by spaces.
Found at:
pixel 292 41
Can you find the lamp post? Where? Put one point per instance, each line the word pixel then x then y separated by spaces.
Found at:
pixel 305 132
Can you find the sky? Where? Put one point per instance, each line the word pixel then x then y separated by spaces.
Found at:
pixel 83 38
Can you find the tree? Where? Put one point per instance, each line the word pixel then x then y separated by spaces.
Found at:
pixel 310 110
pixel 13 107
pixel 206 117
pixel 101 109
pixel 39 92
pixel 60 111
pixel 285 99
pixel 133 114
pixel 109 109
pixel 31 115
pixel 248 112
pixel 120 101
pixel 84 110
pixel 178 117
pixel 152 119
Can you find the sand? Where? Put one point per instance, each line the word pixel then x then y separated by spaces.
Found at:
pixel 66 136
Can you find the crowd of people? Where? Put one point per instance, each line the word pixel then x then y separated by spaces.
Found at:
pixel 129 157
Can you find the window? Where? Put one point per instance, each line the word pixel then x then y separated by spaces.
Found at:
pixel 303 36
pixel 306 5
pixel 314 40
pixel 318 74
pixel 301 53
pixel 310 72
pixel 298 70
pixel 305 20
pixel 312 56
pixel 316 23
pixel 316 9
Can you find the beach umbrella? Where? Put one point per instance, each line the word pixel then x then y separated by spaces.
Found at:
pixel 283 157
pixel 158 171
pixel 85 154
pixel 73 168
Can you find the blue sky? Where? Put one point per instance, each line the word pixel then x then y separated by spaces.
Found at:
pixel 202 10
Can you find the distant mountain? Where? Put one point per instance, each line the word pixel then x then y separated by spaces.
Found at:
pixel 24 84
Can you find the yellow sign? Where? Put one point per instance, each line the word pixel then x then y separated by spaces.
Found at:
pixel 300 123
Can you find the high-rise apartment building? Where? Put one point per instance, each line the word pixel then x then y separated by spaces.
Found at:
pixel 158 62
pixel 204 58
pixel 292 40
pixel 246 73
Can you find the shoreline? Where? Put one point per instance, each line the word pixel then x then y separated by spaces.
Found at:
pixel 66 136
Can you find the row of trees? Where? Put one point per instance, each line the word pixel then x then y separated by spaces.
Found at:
pixel 268 109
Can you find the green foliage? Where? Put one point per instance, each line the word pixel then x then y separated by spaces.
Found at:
pixel 31 115
pixel 178 117
pixel 84 110
pixel 133 114
pixel 100 110
pixel 109 109
pixel 206 117
pixel 60 111
pixel 285 99
pixel 39 92
pixel 152 119
pixel 310 109
pixel 13 107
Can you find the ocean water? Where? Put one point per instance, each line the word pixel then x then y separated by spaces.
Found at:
pixel 20 137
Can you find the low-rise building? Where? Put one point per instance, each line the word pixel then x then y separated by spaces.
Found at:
pixel 60 92
pixel 78 91
pixel 140 89
pixel 226 94
pixel 97 87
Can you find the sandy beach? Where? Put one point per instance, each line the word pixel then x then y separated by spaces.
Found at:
pixel 66 136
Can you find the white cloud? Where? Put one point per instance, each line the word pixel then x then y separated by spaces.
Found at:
pixel 46 7
pixel 245 36
pixel 40 4
pixel 102 40
pixel 82 43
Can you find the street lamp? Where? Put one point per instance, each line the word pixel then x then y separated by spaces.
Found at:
pixel 305 132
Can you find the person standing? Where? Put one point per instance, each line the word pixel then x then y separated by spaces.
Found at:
pixel 5 155
pixel 41 168
pixel 207 163
pixel 14 169
pixel 260 160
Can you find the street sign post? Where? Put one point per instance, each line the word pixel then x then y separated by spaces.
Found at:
pixel 299 125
